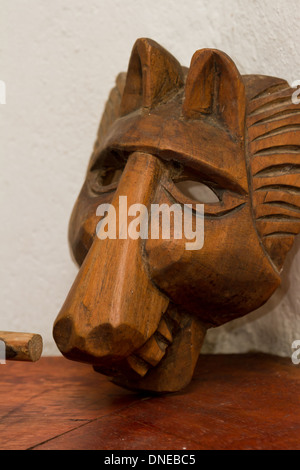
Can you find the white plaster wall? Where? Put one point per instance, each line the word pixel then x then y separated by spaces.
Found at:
pixel 59 59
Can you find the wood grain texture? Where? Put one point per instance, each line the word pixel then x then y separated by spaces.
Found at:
pixel 22 346
pixel 273 123
pixel 165 124
pixel 233 402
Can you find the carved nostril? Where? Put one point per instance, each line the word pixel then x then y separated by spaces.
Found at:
pixel 106 340
pixel 62 333
pixel 103 342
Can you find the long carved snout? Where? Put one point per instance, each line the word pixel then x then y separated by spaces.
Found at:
pixel 113 308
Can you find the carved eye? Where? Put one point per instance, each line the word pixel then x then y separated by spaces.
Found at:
pixel 197 191
pixel 108 176
pixel 105 176
pixel 187 186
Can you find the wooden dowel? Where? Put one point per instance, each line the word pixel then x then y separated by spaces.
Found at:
pixel 22 346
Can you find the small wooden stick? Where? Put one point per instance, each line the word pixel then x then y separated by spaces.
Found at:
pixel 22 346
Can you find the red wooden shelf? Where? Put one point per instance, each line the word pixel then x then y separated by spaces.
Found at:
pixel 233 402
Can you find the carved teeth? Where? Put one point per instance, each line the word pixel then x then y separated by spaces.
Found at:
pixel 153 351
pixel 138 365
pixel 164 331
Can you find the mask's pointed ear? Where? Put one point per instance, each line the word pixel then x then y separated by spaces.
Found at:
pixel 215 86
pixel 152 73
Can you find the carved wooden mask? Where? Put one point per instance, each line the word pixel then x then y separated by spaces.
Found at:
pixel 139 309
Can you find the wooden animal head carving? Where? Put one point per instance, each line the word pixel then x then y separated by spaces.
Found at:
pixel 139 308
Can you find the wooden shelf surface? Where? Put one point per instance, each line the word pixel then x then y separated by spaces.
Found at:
pixel 234 402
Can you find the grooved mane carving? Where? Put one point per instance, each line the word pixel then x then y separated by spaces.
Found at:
pixel 273 124
pixel 139 308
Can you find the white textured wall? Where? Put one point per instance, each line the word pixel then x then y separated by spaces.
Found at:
pixel 59 59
